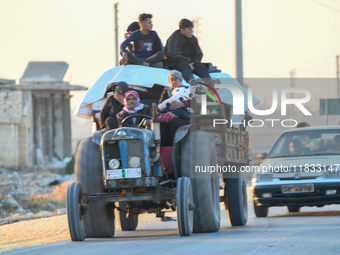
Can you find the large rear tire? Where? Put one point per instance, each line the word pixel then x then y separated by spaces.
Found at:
pixel 236 200
pixel 128 222
pixel 185 206
pixel 75 216
pixel 99 219
pixel 198 150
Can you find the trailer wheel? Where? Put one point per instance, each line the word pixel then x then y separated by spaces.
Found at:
pixel 185 206
pixel 99 219
pixel 235 195
pixel 128 222
pixel 75 214
pixel 198 149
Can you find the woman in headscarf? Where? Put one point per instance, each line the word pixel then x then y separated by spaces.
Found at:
pixel 169 121
pixel 132 106
pixel 113 105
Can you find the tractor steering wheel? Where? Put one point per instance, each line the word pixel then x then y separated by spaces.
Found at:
pixel 144 116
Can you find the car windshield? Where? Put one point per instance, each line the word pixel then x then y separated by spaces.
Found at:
pixel 308 143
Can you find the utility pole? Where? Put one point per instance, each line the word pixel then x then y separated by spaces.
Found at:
pixel 337 75
pixel 337 82
pixel 292 79
pixel 196 24
pixel 238 32
pixel 116 30
pixel 292 85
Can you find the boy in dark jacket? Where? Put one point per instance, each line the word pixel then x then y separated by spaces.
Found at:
pixel 184 54
pixel 148 47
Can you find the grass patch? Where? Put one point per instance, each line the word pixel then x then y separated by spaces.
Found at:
pixel 57 198
pixel 37 204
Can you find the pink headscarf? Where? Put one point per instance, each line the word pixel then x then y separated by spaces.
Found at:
pixel 138 105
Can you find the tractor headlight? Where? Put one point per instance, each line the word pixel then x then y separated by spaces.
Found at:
pixel 121 134
pixel 134 162
pixel 114 163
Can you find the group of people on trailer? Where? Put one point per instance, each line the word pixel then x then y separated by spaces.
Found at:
pixel 181 54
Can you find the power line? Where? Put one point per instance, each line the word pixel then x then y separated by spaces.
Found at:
pixel 316 60
pixel 100 54
pixel 228 38
pixel 275 75
pixel 126 17
pixel 154 18
pixel 219 37
pixel 220 51
pixel 326 6
pixel 211 27
pixel 211 37
pixel 133 11
pixel 321 67
pixel 173 28
pixel 206 29
pixel 167 21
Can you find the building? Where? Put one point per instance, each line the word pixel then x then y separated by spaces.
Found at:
pixel 35 118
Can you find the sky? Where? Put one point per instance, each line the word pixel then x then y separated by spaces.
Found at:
pixel 278 35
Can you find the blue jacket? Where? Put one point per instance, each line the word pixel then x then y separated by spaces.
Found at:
pixel 145 45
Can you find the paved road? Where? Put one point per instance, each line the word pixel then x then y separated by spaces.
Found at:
pixel 311 231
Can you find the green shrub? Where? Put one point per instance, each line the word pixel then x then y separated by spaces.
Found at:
pixel 6 206
pixel 69 169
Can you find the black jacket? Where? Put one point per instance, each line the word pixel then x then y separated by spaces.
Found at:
pixel 123 114
pixel 110 109
pixel 112 105
pixel 180 48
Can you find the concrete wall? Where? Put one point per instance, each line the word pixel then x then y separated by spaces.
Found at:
pixel 11 103
pixel 52 123
pixel 35 126
pixel 11 106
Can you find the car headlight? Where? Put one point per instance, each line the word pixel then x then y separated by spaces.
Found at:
pixel 134 162
pixel 114 163
pixel 331 175
pixel 264 178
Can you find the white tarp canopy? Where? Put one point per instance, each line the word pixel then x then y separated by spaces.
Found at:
pixel 146 77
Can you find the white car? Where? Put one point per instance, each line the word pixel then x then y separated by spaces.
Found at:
pixel 302 169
